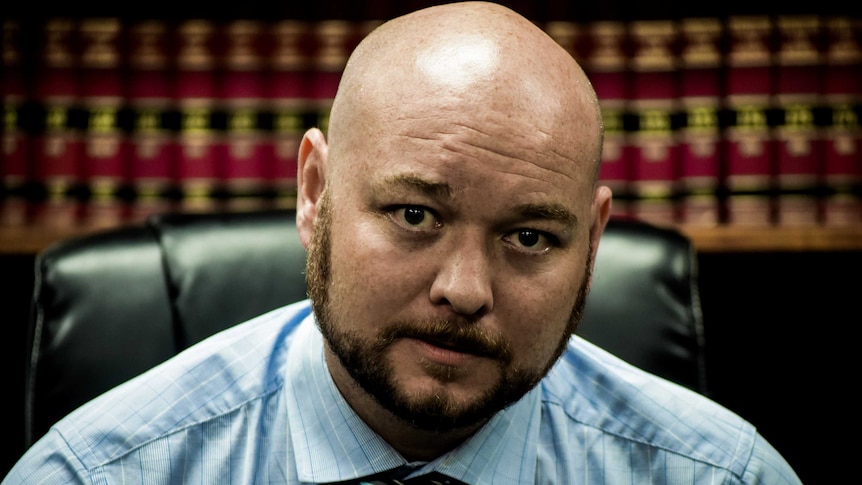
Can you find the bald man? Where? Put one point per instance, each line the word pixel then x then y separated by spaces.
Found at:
pixel 451 219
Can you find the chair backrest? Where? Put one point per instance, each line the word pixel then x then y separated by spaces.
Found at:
pixel 109 306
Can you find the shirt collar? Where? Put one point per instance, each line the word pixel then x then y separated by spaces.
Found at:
pixel 502 452
pixel 334 444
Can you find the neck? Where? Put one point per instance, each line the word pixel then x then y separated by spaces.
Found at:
pixel 412 443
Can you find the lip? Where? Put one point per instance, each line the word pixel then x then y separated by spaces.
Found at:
pixel 443 355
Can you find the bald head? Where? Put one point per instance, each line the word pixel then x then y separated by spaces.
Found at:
pixel 475 61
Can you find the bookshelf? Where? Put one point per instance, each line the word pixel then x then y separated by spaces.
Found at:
pixel 738 124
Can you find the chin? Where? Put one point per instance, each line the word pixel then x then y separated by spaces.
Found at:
pixel 428 404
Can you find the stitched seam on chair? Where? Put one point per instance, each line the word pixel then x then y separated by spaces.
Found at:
pixel 697 315
pixel 29 394
pixel 155 225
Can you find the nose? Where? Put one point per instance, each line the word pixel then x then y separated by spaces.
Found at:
pixel 464 280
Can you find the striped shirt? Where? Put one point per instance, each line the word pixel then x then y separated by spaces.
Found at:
pixel 256 404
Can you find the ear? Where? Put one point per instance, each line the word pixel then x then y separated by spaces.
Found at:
pixel 310 181
pixel 600 213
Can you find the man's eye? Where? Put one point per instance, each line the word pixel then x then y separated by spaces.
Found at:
pixel 531 240
pixel 415 217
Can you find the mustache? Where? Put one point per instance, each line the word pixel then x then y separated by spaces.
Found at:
pixel 460 336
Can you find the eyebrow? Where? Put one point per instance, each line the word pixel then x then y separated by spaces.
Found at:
pixel 551 212
pixel 415 182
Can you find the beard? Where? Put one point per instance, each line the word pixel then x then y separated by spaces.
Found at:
pixel 366 362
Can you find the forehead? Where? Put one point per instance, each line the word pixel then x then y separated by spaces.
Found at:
pixel 514 131
pixel 491 132
pixel 475 159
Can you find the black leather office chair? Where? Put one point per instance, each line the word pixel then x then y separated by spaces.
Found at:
pixel 111 305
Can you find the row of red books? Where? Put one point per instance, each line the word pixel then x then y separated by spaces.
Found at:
pixel 743 120
pixel 106 119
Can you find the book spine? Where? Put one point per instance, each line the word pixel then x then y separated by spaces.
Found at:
pixel 14 176
pixel 289 98
pixel 102 92
pixel 58 148
pixel 200 150
pixel 654 174
pixel 798 138
pixel 153 147
pixel 246 155
pixel 605 64
pixel 700 97
pixel 333 42
pixel 842 158
pixel 749 138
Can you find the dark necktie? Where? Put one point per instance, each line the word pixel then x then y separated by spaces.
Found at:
pixel 433 478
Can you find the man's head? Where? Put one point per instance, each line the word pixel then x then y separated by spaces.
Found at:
pixel 453 215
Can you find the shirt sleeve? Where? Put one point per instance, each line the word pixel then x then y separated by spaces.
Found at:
pixel 767 467
pixel 49 461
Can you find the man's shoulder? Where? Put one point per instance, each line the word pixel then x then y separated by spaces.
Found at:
pixel 237 367
pixel 596 391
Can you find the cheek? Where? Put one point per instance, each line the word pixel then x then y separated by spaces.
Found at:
pixel 369 272
pixel 542 311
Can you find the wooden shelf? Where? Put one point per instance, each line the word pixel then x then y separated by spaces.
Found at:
pixel 718 239
pixel 781 239
pixel 32 239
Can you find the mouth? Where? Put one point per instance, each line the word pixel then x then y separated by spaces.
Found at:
pixel 468 346
pixel 449 342
pixel 444 353
pixel 444 344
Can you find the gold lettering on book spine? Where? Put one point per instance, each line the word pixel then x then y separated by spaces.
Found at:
pixel 655 121
pixel 148 120
pixel 700 42
pixel 56 118
pixel 799 35
pixel 702 119
pixel 148 51
pixel 100 37
pixel 289 50
pixel 608 53
pixel 58 38
pixel 196 120
pixel 103 119
pixel 195 50
pixel 242 50
pixel 333 37
pixel 11 46
pixel 242 120
pixel 749 40
pixel 654 45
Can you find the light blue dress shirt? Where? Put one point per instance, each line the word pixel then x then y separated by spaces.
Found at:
pixel 256 404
